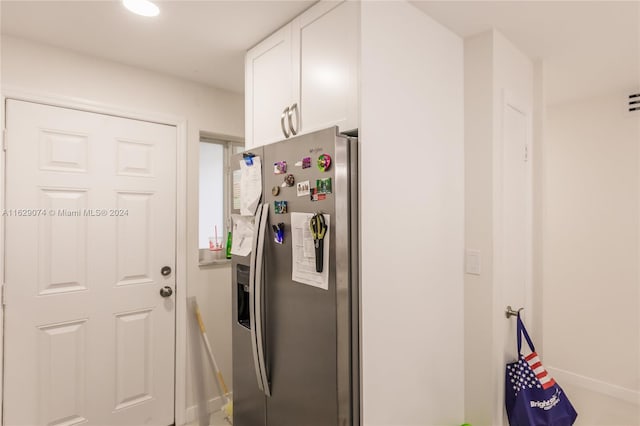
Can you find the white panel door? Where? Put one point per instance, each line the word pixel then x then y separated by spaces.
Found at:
pixel 516 222
pixel 269 88
pixel 90 222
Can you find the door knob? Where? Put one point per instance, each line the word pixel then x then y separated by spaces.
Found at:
pixel 165 271
pixel 166 291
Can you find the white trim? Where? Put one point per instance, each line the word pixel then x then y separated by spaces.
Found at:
pixel 180 123
pixel 496 238
pixel 2 256
pixel 568 377
pixel 53 99
pixel 180 400
pixel 511 101
pixel 638 235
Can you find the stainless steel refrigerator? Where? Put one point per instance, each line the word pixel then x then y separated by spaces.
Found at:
pixel 295 345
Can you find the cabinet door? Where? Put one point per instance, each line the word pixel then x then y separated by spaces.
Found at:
pixel 268 88
pixel 328 57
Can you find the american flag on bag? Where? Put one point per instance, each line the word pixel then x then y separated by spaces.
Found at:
pixel 529 373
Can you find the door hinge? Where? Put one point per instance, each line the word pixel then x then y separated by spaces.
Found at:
pixel 2 293
pixel 526 153
pixel 4 139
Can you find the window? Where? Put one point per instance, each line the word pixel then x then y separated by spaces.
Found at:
pixel 215 192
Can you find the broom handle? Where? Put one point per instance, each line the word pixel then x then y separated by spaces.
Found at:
pixel 222 386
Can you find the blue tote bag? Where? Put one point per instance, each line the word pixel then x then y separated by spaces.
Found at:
pixel 532 397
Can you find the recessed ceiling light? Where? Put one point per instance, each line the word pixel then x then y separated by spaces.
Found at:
pixel 141 7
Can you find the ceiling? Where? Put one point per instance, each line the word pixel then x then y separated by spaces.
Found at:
pixel 202 41
pixel 587 47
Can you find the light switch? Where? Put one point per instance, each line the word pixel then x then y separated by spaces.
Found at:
pixel 472 262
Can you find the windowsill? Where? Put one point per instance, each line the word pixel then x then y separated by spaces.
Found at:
pixel 212 258
pixel 214 262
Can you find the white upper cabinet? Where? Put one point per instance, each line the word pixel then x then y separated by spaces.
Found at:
pixel 269 88
pixel 328 66
pixel 322 71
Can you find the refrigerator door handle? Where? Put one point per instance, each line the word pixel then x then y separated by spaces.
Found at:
pixel 252 295
pixel 259 302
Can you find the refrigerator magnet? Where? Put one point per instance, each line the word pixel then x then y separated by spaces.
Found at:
pixel 316 196
pixel 289 180
pixel 280 207
pixel 324 162
pixel 303 188
pixel 280 167
pixel 275 191
pixel 318 228
pixel 324 186
pixel 248 158
pixel 306 162
pixel 278 233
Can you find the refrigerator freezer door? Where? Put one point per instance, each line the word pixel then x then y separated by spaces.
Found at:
pixel 248 400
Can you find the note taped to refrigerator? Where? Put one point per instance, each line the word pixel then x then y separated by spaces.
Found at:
pixel 250 186
pixel 303 252
pixel 242 235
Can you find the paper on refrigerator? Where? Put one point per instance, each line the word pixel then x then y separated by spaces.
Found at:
pixel 304 254
pixel 250 186
pixel 236 179
pixel 242 235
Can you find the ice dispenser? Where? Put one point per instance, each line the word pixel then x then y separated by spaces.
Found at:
pixel 242 279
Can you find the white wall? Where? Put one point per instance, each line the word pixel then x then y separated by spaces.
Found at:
pixel 495 72
pixel 590 228
pixel 478 292
pixel 411 148
pixel 45 70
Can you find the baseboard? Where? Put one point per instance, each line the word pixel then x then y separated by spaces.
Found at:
pixel 213 405
pixel 563 376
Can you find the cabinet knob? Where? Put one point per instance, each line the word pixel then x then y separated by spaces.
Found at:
pixel 285 113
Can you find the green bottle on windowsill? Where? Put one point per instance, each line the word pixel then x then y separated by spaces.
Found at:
pixel 229 245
